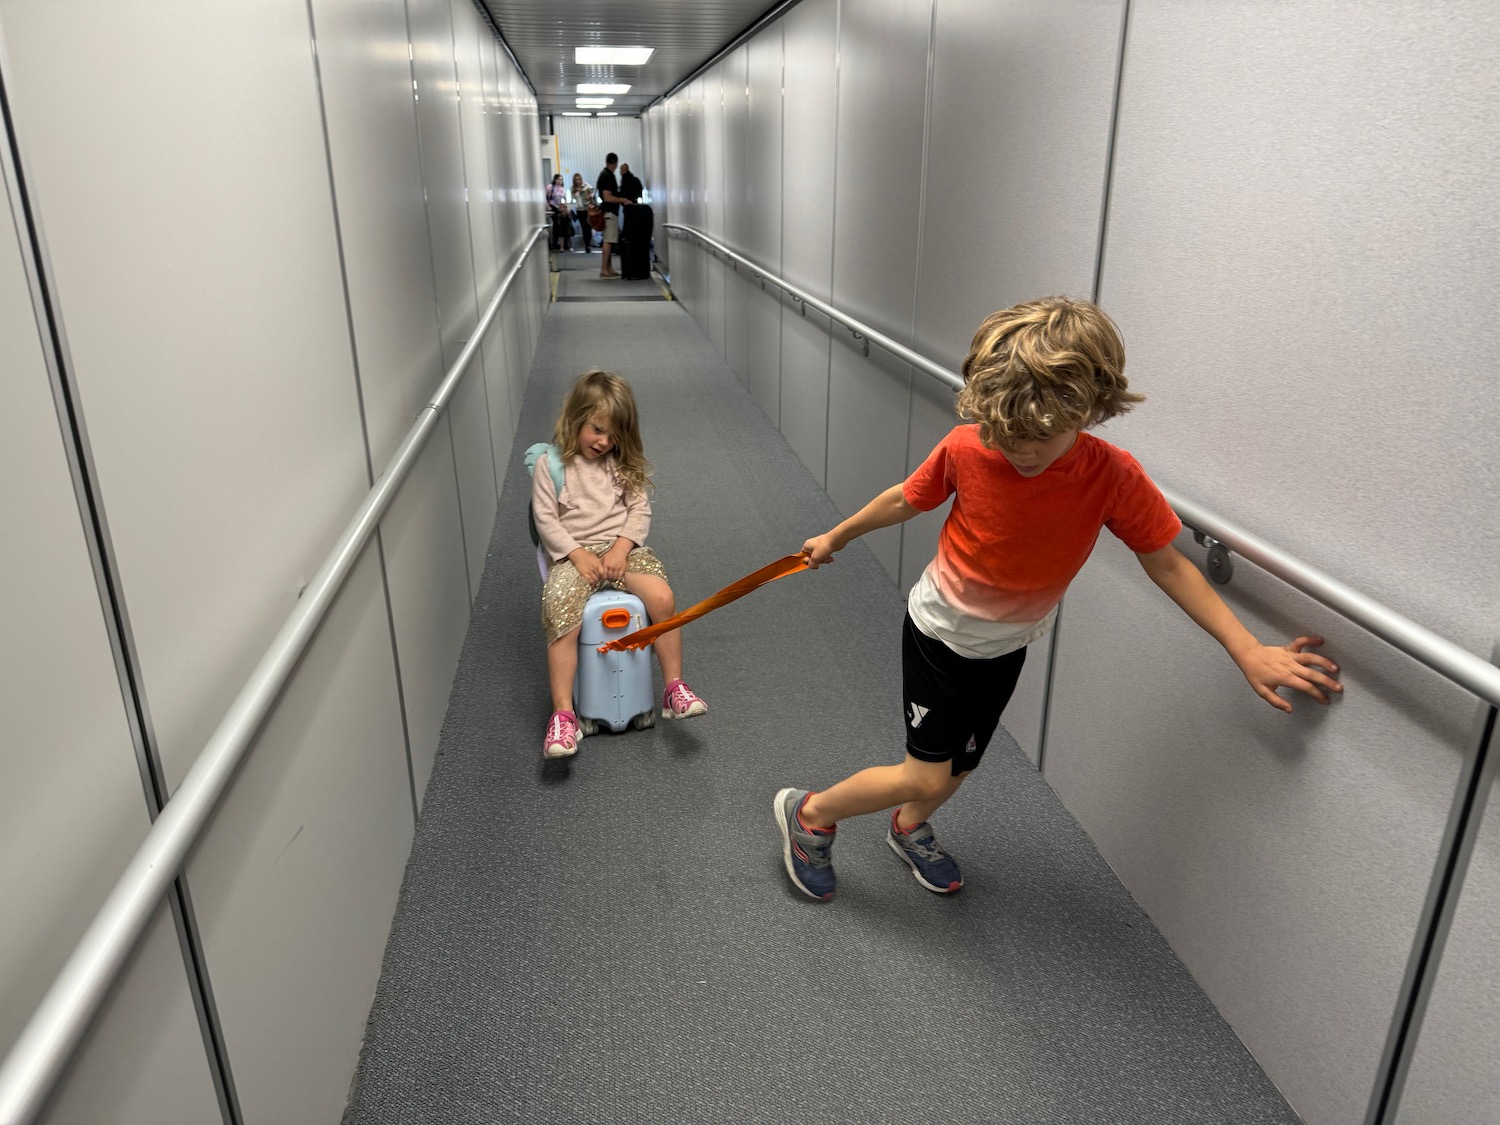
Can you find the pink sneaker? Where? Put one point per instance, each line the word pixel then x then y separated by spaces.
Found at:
pixel 562 736
pixel 679 702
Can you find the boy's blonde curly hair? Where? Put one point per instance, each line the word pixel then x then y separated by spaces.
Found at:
pixel 1043 367
pixel 601 393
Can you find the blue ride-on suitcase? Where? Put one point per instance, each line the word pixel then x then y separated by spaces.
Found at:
pixel 613 689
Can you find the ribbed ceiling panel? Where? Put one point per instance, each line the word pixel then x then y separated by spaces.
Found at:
pixel 685 33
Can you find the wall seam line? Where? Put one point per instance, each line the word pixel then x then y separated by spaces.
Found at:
pixel 1049 685
pixel 916 288
pixel 359 396
pixel 833 233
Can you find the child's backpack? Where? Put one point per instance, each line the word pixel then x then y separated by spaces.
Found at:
pixel 555 464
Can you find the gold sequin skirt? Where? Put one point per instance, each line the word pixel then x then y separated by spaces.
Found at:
pixel 565 593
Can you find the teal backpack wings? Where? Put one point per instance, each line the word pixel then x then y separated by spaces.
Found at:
pixel 555 465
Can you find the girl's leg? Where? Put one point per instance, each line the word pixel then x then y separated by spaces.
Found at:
pixel 917 785
pixel 660 605
pixel 562 665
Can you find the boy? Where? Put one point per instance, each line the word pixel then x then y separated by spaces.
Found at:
pixel 1031 489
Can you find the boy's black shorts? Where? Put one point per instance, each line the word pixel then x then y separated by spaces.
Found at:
pixel 953 704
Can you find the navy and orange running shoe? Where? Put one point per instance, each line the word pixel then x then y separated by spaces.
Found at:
pixel 808 856
pixel 933 867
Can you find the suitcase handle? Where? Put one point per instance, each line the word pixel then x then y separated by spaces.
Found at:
pixel 615 618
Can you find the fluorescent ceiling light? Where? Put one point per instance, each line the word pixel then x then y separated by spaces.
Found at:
pixel 575 113
pixel 609 113
pixel 593 103
pixel 604 87
pixel 623 56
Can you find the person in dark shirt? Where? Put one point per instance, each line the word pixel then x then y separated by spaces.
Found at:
pixel 630 186
pixel 610 199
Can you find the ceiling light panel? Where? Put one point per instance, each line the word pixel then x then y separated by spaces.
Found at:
pixel 604 87
pixel 593 103
pixel 617 56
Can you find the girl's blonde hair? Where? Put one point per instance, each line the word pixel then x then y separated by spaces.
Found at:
pixel 600 393
pixel 1040 368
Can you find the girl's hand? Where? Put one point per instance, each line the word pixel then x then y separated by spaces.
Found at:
pixel 613 561
pixel 590 569
pixel 1268 668
pixel 819 550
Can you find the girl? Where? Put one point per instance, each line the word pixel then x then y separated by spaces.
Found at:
pixel 594 534
pixel 583 199
pixel 562 218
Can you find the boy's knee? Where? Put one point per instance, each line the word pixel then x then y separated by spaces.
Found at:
pixel 931 784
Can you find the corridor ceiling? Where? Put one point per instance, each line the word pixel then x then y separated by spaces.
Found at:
pixel 685 33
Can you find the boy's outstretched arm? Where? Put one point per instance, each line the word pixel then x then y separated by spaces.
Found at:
pixel 1265 666
pixel 890 507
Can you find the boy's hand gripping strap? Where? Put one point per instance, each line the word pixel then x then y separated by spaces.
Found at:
pixel 643 637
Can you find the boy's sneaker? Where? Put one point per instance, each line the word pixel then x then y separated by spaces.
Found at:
pixel 933 867
pixel 679 702
pixel 808 854
pixel 562 736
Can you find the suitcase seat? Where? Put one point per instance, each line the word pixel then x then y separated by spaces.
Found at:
pixel 612 689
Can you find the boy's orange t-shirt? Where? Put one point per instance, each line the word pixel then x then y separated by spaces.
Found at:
pixel 1012 544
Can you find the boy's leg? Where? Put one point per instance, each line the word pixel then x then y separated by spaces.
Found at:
pixel 913 783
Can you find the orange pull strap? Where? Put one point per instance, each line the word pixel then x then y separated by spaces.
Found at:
pixel 791 564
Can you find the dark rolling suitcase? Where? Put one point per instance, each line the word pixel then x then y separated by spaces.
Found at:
pixel 635 242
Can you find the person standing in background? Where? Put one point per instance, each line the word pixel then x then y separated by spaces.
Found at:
pixel 583 199
pixel 610 199
pixel 562 218
pixel 630 186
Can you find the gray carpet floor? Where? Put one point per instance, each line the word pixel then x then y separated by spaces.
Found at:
pixel 613 938
pixel 579 280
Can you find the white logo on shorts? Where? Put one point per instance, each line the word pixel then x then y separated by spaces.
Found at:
pixel 918 713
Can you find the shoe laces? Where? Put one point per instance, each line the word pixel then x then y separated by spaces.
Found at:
pixel 558 729
pixel 680 693
pixel 928 851
pixel 925 845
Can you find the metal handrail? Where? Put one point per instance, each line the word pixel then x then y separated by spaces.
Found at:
pixel 51 1037
pixel 1420 643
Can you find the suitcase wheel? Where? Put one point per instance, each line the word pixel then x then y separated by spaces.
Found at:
pixel 588 727
pixel 643 720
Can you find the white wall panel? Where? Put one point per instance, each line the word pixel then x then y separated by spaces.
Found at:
pixel 1454 1077
pixel 422 536
pixel 437 43
pixel 470 37
pixel 372 135
pixel 713 207
pixel 763 216
pixel 497 80
pixel 882 102
pixel 473 423
pixel 1284 857
pixel 226 431
pixel 143 1061
pixel 372 130
pixel 738 287
pixel 1297 194
pixel 691 256
pixel 504 406
pixel 586 141
pixel 297 879
pixel 75 807
pixel 654 176
pixel 810 34
pixel 1017 146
